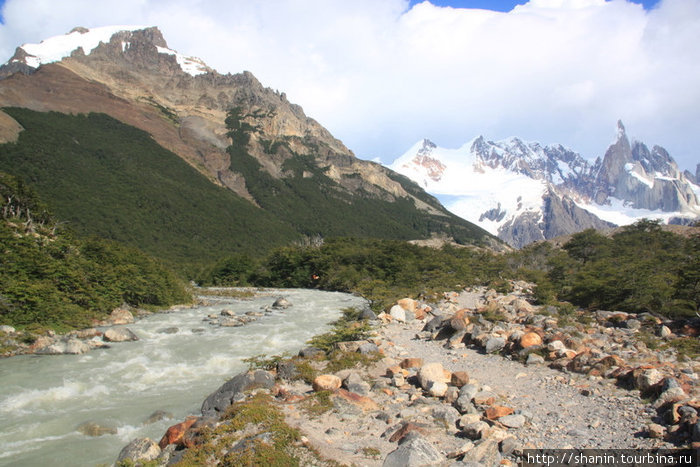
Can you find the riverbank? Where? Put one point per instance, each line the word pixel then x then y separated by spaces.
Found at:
pixel 476 376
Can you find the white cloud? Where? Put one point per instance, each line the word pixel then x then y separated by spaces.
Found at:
pixel 381 76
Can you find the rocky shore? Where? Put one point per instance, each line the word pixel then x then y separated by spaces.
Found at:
pixel 470 378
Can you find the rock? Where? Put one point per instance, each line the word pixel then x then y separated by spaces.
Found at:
pixel 467 419
pixel 413 453
pixel 665 332
pixel 508 445
pixel 411 363
pixel 670 396
pixel 534 359
pixel 121 316
pixel 446 416
pixel 287 370
pixel 368 348
pixel 76 347
pixel 460 320
pixel 512 421
pixel 326 383
pixel 434 324
pixel 363 402
pixel 408 304
pixel 404 430
pixel 530 339
pixel 484 453
pixel 119 335
pixel 7 329
pixel 355 383
pixel 139 449
pixel 656 431
pixel 157 416
pixel 175 433
pixel 310 352
pixel 219 400
pixel 93 429
pixel 497 411
pixel 281 304
pixel 55 348
pixel 397 313
pixel 484 397
pixel 368 314
pixel 648 378
pixel 430 373
pixel 229 313
pixel 459 378
pixel 494 344
pixel 437 389
pixel 633 324
pixel 195 435
pixel 476 430
pixel 469 391
pixel 171 330
pixel 349 346
pixel 556 345
pixel 249 443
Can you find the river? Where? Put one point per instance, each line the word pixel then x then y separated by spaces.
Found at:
pixel 43 399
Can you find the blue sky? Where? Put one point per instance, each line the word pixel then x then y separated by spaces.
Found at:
pixel 383 74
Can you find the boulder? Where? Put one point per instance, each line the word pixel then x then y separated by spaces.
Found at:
pixel 368 348
pixel 368 314
pixel 411 363
pixel 175 433
pixel 7 329
pixel 434 324
pixel 76 347
pixel 119 335
pixel 459 378
pixel 446 415
pixel 485 454
pixel 121 316
pixel 157 416
pixel 363 402
pixel 310 352
pixel 460 320
pixel 354 383
pixel 397 313
pixel 326 383
pixel 476 430
pixel 534 359
pixel 494 344
pixel 93 429
pixel 665 332
pixel 233 389
pixel 497 411
pixel 139 449
pixel 408 304
pixel 413 452
pixel 431 373
pixel 530 339
pixel 281 304
pixel 437 389
pixel 648 378
pixel 512 421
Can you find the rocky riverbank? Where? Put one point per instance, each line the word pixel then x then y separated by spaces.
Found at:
pixel 470 379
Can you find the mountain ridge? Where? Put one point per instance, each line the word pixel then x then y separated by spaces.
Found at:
pixel 524 191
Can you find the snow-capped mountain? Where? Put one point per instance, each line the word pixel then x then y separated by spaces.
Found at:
pixel 524 192
pixel 29 57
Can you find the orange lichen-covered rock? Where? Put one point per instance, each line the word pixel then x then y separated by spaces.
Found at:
pixel 175 433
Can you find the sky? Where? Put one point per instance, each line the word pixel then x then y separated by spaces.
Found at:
pixel 383 74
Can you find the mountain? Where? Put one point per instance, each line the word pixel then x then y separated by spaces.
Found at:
pixel 284 176
pixel 524 191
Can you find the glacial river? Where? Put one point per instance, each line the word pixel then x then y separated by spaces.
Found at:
pixel 43 399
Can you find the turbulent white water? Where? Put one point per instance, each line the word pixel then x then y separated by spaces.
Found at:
pixel 43 399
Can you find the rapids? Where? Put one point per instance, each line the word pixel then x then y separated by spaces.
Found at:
pixel 43 399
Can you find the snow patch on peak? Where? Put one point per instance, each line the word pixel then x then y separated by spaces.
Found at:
pixel 57 48
pixel 190 65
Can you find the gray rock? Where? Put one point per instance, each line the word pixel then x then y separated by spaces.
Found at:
pixel 464 404
pixel 139 449
pixel 287 370
pixel 281 304
pixel 485 453
pixel 171 330
pixel 469 390
pixel 534 359
pixel 157 416
pixel 476 430
pixel 434 324
pixel 410 316
pixel 368 348
pixel 513 421
pixel 665 332
pixel 368 314
pixel 119 335
pixel 233 389
pixel 398 313
pixel 494 344
pixel 310 352
pixel 446 416
pixel 93 429
pixel 413 453
pixel 633 324
pixel 355 383
pixel 7 329
pixel 76 347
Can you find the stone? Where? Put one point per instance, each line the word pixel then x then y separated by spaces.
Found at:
pixel 76 347
pixel 656 431
pixel 556 345
pixel 468 418
pixel 670 396
pixel 354 383
pixel 175 433
pixel 397 313
pixel 413 453
pixel 326 383
pixel 648 378
pixel 368 348
pixel 408 304
pixel 368 314
pixel 476 430
pixel 495 344
pixel 460 320
pixel 229 313
pixel 430 373
pixel 451 395
pixel 633 324
pixel 93 429
pixel 497 411
pixel 121 316
pixel 459 378
pixel 484 397
pixel 287 370
pixel 665 332
pixel 530 339
pixel 222 398
pixel 404 430
pixel 411 363
pixel 434 324
pixel 170 330
pixel 446 416
pixel 469 390
pixel 310 352
pixel 139 449
pixel 512 421
pixel 437 389
pixel 365 403
pixel 349 346
pixel 119 335
pixel 534 359
pixel 7 329
pixel 484 453
pixel 281 304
